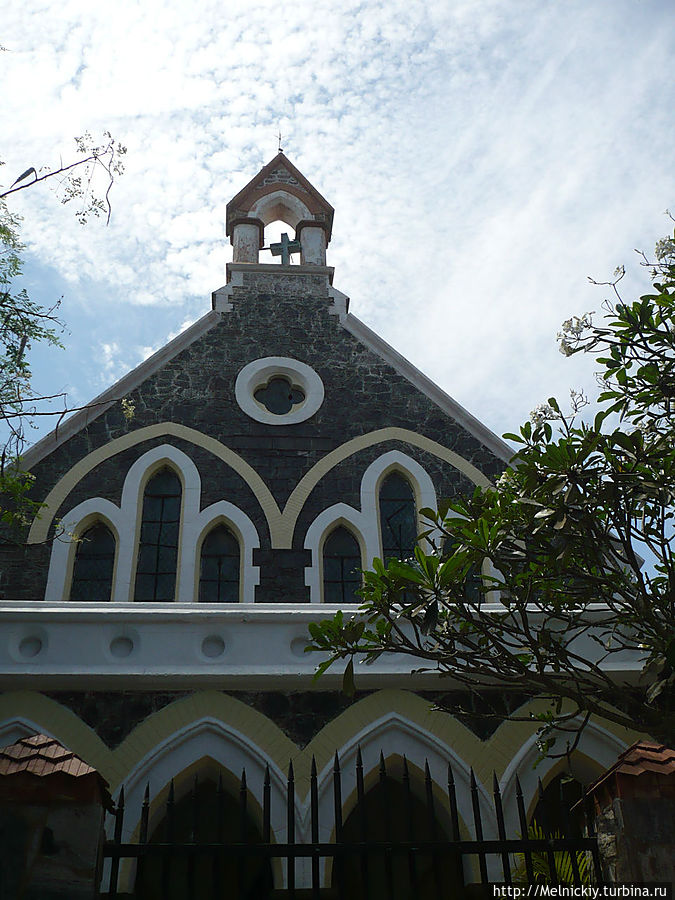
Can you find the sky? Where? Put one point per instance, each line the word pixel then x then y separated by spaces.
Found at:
pixel 484 157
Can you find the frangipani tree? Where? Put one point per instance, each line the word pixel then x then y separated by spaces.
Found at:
pixel 574 546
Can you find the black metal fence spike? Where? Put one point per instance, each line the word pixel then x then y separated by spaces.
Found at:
pixel 524 831
pixel 314 825
pixel 501 828
pixel 204 861
pixel 145 812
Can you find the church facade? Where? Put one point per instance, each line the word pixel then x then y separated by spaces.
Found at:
pixel 155 621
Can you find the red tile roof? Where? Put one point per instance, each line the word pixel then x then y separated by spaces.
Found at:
pixel 42 755
pixel 638 759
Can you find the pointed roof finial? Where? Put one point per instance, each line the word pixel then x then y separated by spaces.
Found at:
pixel 280 148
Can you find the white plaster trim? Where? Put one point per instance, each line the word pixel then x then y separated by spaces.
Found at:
pixel 338 514
pixel 64 544
pixel 406 738
pixel 596 742
pixel 125 523
pixel 121 388
pixel 12 730
pixel 273 206
pixel 260 371
pixel 194 533
pixel 365 523
pixel 437 396
pixel 206 738
pixel 340 304
pixel 132 508
pixel 264 645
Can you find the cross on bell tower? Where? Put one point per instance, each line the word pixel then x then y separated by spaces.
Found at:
pixel 280 191
pixel 285 248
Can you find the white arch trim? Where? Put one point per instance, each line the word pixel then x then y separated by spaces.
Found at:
pixel 419 747
pixel 64 545
pixel 126 519
pixel 194 532
pixel 596 742
pixel 12 730
pixel 281 525
pixel 208 738
pixel 282 205
pixel 365 523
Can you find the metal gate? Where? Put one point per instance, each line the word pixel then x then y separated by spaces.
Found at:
pixel 364 860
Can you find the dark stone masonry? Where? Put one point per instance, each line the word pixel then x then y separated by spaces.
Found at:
pixel 271 315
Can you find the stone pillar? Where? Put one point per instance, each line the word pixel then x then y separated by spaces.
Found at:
pixel 312 237
pixel 247 239
pixel 632 804
pixel 51 817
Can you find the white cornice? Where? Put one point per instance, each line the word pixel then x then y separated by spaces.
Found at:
pixel 142 645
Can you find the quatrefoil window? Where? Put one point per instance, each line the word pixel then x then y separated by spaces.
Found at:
pixel 279 396
pixel 278 390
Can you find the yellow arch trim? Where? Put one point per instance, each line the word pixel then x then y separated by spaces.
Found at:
pixel 495 753
pixel 66 726
pixel 40 527
pixel 309 481
pixel 281 524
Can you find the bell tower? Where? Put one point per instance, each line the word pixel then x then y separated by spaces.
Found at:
pixel 280 191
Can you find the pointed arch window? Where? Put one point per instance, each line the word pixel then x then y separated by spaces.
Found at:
pixel 94 561
pixel 398 517
pixel 158 550
pixel 219 567
pixel 341 567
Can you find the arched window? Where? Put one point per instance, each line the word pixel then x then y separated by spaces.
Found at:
pixel 94 560
pixel 398 519
pixel 158 550
pixel 219 568
pixel 341 567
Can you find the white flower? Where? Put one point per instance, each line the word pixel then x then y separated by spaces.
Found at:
pixel 572 331
pixel 665 250
pixel 542 413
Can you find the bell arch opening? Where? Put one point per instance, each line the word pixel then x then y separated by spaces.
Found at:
pixel 273 235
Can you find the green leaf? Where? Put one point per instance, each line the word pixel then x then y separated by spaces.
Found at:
pixel 348 686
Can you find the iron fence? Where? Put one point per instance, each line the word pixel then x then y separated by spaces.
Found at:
pixel 401 848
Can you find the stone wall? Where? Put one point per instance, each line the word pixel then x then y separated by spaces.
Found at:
pixel 271 315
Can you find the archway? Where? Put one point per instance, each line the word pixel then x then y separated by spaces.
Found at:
pixel 393 811
pixel 208 810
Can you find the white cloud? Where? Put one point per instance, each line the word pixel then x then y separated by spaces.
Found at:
pixel 483 157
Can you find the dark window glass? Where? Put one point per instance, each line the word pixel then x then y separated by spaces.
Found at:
pixel 219 571
pixel 398 519
pixel 94 560
pixel 158 551
pixel 279 396
pixel 341 567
